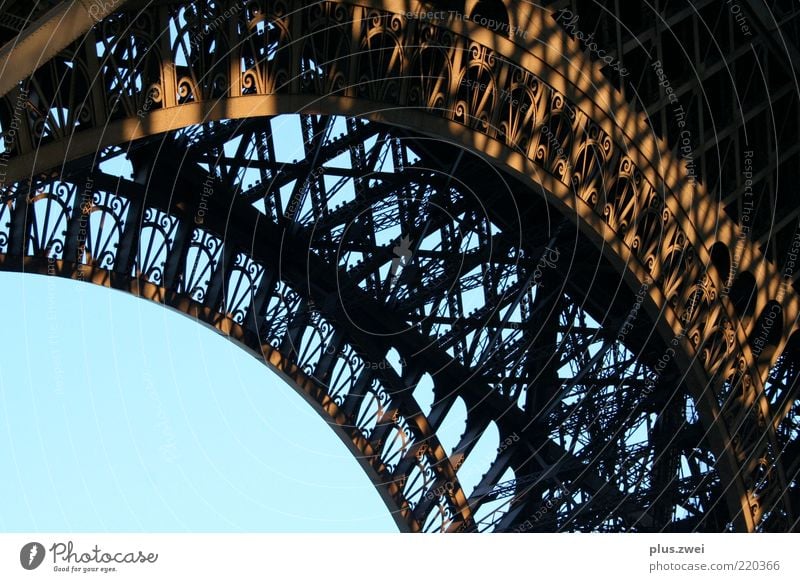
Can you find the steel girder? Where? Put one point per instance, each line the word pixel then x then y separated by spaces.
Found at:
pixel 690 442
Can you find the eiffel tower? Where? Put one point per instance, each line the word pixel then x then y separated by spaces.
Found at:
pixel 568 229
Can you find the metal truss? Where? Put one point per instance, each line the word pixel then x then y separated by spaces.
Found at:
pixel 431 255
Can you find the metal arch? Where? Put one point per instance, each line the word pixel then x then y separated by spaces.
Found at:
pixel 52 196
pixel 420 447
pixel 306 385
pixel 48 36
pixel 686 218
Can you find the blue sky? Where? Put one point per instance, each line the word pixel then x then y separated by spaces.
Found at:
pixel 117 414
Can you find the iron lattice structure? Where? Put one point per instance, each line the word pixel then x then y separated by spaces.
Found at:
pixel 480 225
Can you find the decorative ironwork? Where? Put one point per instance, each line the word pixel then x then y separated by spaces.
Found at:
pixel 379 238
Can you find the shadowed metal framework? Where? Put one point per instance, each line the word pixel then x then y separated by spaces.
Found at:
pixel 481 230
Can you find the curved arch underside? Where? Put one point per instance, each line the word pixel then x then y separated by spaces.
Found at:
pixel 488 209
